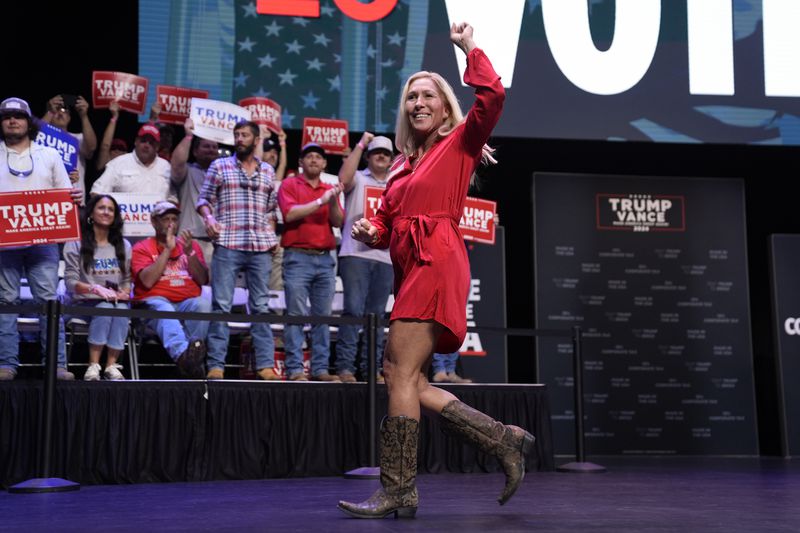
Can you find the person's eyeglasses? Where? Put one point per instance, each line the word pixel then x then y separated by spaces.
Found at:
pixel 18 173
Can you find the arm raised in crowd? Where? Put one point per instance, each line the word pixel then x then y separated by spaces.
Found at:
pixel 89 143
pixel 104 156
pixel 180 155
pixel 347 173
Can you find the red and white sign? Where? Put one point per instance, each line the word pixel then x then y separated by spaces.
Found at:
pixel 331 134
pixel 372 200
pixel 477 223
pixel 38 217
pixel 176 102
pixel 129 90
pixel 265 112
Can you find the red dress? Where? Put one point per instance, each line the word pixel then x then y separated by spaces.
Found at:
pixel 421 208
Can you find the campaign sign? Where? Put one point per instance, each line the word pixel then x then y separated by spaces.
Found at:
pixel 135 209
pixel 331 134
pixel 372 200
pixel 38 217
pixel 477 223
pixel 129 90
pixel 265 112
pixel 176 102
pixel 63 142
pixel 214 120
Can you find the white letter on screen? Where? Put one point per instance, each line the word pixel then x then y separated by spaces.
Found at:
pixel 636 29
pixel 710 24
pixel 781 47
pixel 497 28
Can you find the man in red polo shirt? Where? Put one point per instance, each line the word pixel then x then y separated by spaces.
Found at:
pixel 310 210
pixel 168 271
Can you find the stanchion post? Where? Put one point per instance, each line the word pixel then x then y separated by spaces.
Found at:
pixel 372 471
pixel 45 483
pixel 579 465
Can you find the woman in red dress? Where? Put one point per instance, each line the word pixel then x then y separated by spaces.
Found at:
pixel 418 222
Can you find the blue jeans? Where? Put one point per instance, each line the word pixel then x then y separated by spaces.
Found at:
pixel 367 285
pixel 174 335
pixel 225 265
pixel 40 265
pixel 108 331
pixel 306 278
pixel 445 362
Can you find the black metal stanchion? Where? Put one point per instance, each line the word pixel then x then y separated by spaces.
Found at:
pixel 372 471
pixel 45 483
pixel 580 465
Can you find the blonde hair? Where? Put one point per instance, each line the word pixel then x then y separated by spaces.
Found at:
pixel 403 137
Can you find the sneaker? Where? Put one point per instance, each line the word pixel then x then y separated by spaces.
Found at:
pixel 7 374
pixel 455 378
pixel 112 373
pixel 215 373
pixel 441 377
pixel 346 377
pixel 326 377
pixel 63 374
pixel 299 376
pixel 268 374
pixel 191 363
pixel 92 373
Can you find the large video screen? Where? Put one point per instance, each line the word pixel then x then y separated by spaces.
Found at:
pixel 686 71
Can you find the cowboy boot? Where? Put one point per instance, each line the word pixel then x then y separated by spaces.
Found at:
pixel 398 492
pixel 508 444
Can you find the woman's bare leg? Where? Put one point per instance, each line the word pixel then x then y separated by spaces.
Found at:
pixel 408 348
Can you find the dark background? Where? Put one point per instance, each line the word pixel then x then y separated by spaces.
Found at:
pixel 52 48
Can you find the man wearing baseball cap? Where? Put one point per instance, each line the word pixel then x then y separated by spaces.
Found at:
pixel 138 171
pixel 310 210
pixel 27 166
pixel 367 274
pixel 168 272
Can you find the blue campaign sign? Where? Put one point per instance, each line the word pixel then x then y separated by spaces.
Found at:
pixel 61 141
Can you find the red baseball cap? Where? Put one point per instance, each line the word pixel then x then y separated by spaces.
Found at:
pixel 149 129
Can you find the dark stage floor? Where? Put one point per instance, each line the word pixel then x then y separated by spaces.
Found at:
pixel 647 494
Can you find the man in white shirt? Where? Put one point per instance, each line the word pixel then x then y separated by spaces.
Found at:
pixel 138 171
pixel 27 166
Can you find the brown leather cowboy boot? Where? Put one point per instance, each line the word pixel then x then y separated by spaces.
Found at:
pixel 398 492
pixel 509 444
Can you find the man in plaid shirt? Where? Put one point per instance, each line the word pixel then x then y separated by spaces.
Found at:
pixel 237 203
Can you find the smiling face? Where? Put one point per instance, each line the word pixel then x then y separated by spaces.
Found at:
pixel 103 213
pixel 425 108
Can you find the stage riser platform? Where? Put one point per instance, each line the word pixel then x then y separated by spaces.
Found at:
pixel 164 431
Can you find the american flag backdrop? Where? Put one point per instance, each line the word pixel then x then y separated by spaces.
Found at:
pixel 330 67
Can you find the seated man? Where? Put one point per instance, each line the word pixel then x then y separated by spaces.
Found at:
pixel 168 273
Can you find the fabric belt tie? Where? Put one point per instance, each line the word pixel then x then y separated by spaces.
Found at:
pixel 421 228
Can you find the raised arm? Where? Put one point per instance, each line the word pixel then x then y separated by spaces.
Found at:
pixel 178 167
pixel 89 142
pixel 104 156
pixel 489 92
pixel 347 173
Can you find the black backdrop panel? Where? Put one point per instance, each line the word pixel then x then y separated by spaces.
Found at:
pixel 483 354
pixel 785 252
pixel 655 272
